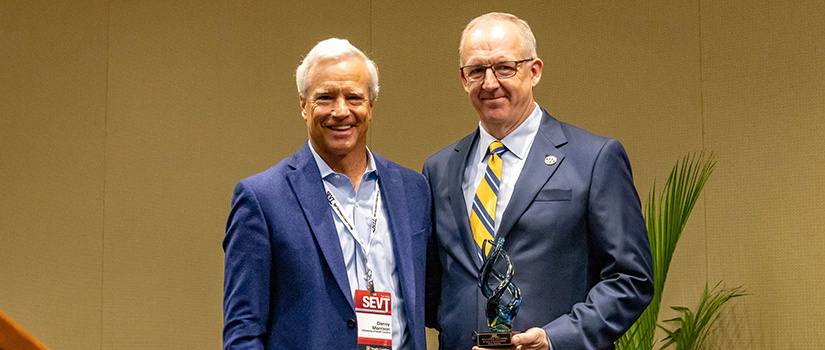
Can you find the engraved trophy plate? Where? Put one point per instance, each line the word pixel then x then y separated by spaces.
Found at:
pixel 500 308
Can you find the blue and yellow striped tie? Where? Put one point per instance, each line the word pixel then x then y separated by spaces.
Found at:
pixel 483 217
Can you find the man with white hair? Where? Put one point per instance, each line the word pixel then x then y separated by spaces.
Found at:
pixel 325 250
pixel 561 198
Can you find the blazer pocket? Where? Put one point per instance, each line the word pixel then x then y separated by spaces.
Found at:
pixel 554 194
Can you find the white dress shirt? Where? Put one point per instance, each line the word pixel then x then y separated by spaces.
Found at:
pixel 518 144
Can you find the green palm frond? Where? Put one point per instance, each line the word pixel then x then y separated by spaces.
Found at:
pixel 693 328
pixel 666 219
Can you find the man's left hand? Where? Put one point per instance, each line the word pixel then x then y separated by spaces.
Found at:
pixel 533 339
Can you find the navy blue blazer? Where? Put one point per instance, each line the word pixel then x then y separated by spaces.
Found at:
pixel 574 231
pixel 285 283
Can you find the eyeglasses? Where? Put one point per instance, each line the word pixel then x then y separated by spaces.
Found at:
pixel 502 70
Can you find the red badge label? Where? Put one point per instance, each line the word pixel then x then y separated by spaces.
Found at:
pixel 374 314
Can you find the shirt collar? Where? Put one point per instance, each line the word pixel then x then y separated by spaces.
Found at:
pixel 518 141
pixel 327 171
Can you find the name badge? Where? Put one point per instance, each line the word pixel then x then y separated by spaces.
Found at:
pixel 374 314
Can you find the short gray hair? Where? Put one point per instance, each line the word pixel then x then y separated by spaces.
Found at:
pixel 528 40
pixel 339 50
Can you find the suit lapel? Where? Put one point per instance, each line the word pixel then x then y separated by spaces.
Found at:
pixel 536 172
pixel 393 199
pixel 455 176
pixel 308 187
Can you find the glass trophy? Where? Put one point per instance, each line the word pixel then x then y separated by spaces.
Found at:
pixel 503 297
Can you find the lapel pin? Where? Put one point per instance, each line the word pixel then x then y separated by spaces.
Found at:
pixel 550 160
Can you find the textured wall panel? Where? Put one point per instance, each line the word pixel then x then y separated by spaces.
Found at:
pixel 764 88
pixel 52 125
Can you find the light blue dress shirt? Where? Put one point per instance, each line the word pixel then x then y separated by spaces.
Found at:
pixel 358 207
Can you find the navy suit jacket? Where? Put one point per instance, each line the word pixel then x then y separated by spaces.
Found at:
pixel 285 283
pixel 573 229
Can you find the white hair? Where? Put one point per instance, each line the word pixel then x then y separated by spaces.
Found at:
pixel 528 40
pixel 339 50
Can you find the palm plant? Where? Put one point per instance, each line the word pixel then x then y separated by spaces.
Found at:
pixel 693 328
pixel 666 219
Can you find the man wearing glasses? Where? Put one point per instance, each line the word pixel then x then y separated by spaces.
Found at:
pixel 562 199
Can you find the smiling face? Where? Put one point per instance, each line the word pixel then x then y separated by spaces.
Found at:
pixel 337 108
pixel 502 104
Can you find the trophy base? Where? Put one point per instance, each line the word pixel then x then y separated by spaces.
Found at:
pixel 495 339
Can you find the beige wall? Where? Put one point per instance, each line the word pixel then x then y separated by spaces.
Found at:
pixel 124 126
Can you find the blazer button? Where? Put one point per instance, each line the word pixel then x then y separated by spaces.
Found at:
pixel 351 323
